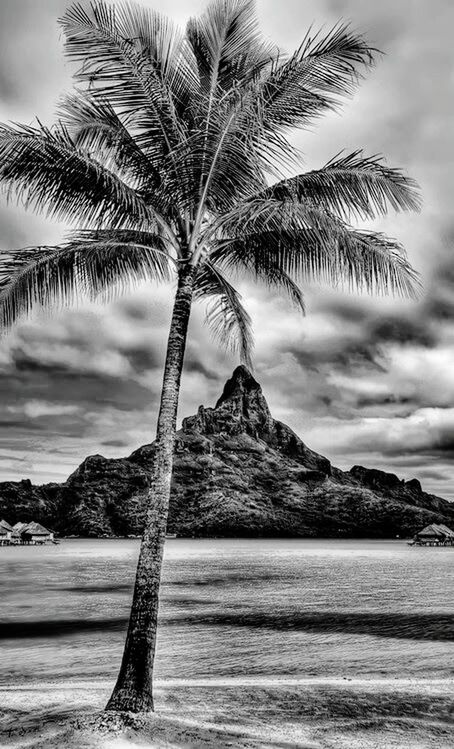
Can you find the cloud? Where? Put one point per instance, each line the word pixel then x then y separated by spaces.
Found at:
pixel 79 376
pixel 36 409
pixel 433 474
pixel 114 443
pixel 425 430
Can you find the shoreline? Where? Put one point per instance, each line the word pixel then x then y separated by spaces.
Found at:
pixel 245 681
pixel 177 537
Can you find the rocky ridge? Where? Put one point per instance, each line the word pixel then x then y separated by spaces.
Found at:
pixel 237 472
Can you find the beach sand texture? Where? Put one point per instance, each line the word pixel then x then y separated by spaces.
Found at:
pixel 328 714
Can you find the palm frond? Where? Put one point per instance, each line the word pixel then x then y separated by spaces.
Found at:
pixel 226 160
pixel 279 95
pixel 352 186
pixel 95 127
pixel 315 79
pixel 230 53
pixel 228 46
pixel 274 276
pixel 45 170
pixel 264 214
pixel 362 261
pixel 226 317
pixel 137 59
pixel 49 276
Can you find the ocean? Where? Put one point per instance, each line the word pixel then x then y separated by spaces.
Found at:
pixel 246 609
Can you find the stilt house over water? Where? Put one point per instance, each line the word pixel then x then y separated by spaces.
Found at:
pixel 35 533
pixel 6 532
pixel 434 535
pixel 24 534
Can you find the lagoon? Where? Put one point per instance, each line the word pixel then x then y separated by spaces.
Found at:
pixel 247 610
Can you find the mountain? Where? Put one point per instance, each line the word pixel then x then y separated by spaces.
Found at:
pixel 237 472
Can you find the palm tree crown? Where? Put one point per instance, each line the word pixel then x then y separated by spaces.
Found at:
pixel 171 151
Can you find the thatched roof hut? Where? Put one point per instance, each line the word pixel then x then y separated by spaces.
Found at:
pixel 435 534
pixel 19 527
pixel 36 533
pixel 24 533
pixel 6 532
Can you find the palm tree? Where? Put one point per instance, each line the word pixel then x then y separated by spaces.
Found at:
pixel 169 160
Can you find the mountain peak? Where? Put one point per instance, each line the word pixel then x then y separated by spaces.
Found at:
pixel 242 407
pixel 243 399
pixel 240 383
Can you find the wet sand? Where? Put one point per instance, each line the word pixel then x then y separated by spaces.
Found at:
pixel 241 712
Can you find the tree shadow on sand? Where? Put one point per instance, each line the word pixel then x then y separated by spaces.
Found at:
pixel 218 718
pixel 80 730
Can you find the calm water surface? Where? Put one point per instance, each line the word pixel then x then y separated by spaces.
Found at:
pixel 265 608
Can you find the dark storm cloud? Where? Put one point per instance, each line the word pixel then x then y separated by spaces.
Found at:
pixel 114 443
pixel 38 381
pixel 433 474
pixel 369 356
pixel 364 327
pixel 440 302
pixel 401 330
pixel 193 364
pixel 76 376
pixel 86 375
pixel 81 358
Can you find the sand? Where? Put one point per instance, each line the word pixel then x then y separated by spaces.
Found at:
pixel 312 713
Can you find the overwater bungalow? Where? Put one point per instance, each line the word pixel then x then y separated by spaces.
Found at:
pixel 436 534
pixel 6 532
pixel 24 534
pixel 35 533
pixel 19 527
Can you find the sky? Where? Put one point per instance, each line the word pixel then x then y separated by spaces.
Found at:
pixel 361 380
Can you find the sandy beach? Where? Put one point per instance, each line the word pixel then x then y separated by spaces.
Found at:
pixel 312 713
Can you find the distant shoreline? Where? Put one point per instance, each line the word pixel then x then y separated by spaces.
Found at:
pixel 240 538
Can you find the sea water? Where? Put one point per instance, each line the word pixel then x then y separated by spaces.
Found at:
pixel 264 609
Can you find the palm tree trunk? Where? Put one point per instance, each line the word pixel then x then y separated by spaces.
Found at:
pixel 133 690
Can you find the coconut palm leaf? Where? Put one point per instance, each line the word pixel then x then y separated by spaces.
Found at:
pixel 226 161
pixel 352 186
pixel 50 174
pixel 315 79
pixel 289 93
pixel 230 52
pixel 363 261
pixel 228 46
pixel 260 214
pixel 137 59
pixel 95 127
pixel 275 277
pixel 226 317
pixel 104 264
